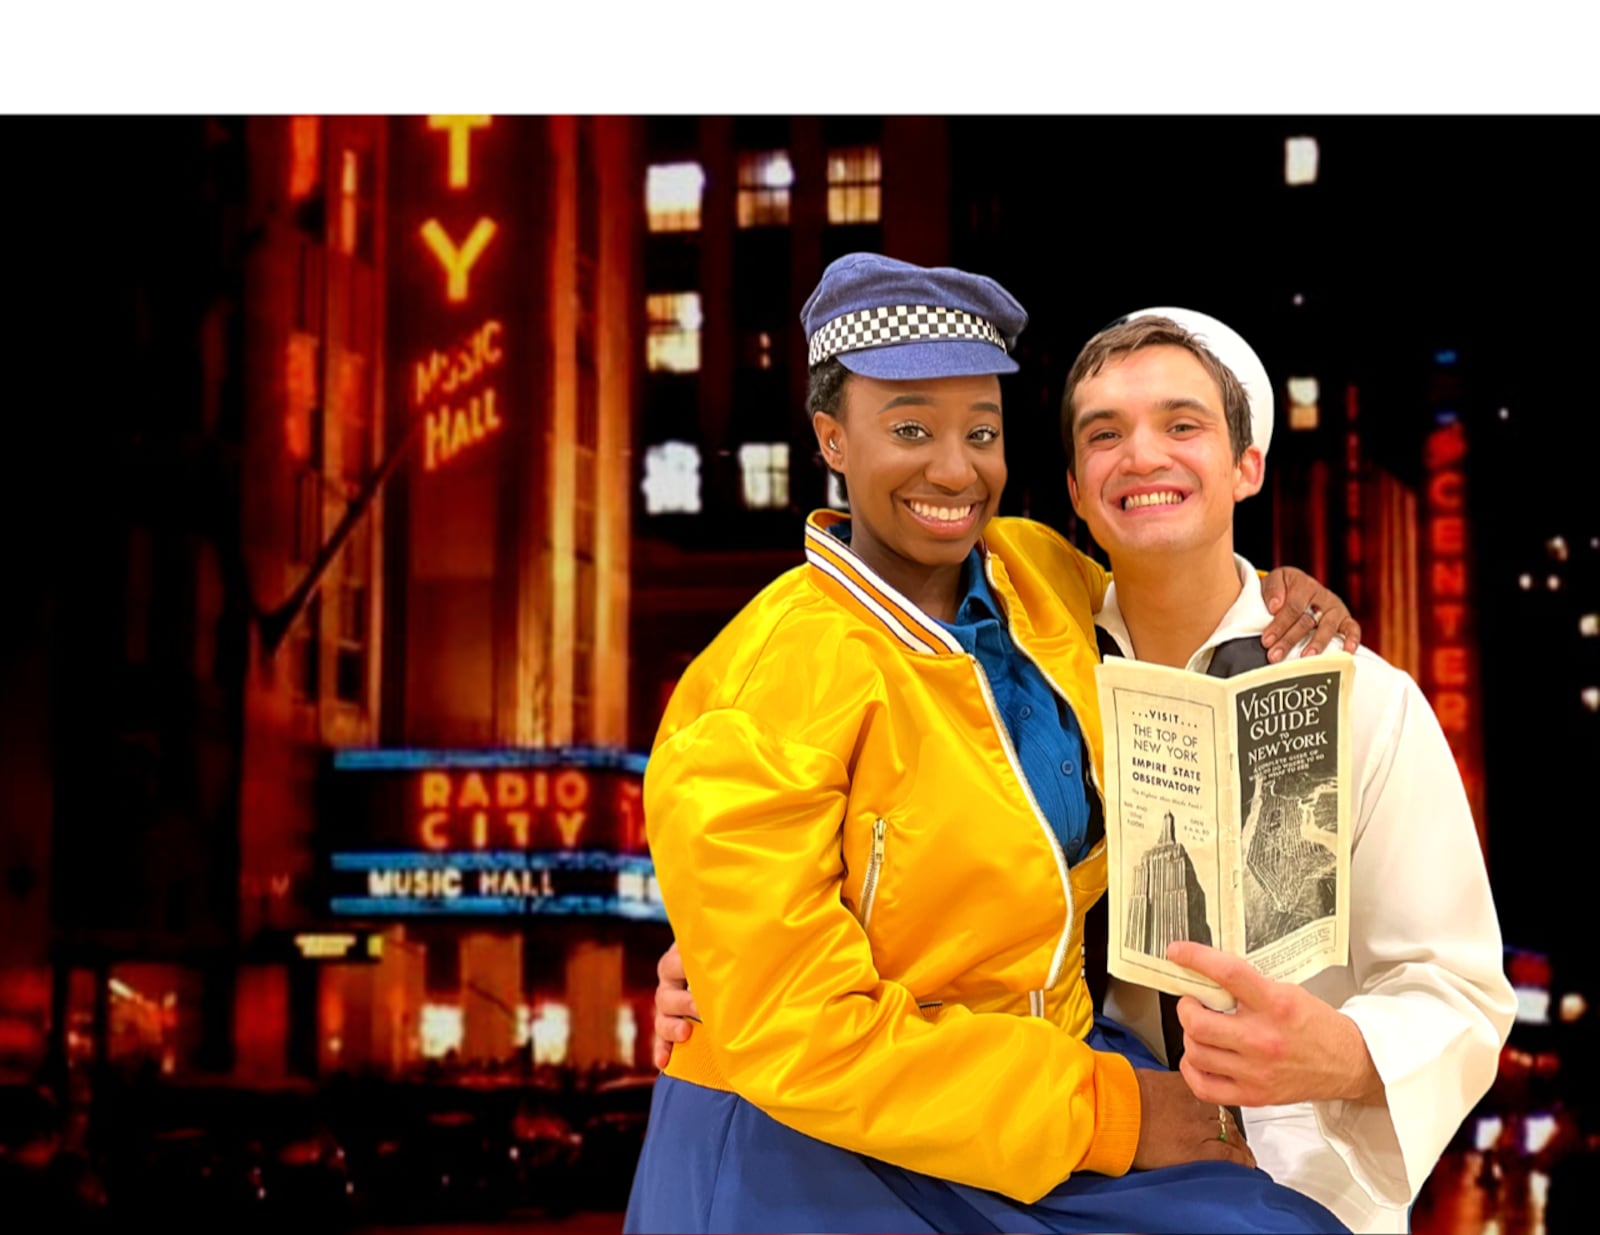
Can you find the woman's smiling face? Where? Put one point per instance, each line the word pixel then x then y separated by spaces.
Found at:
pixel 924 462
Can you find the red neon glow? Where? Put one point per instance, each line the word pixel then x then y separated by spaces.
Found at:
pixel 305 156
pixel 446 374
pixel 463 420
pixel 300 383
pixel 275 885
pixel 476 810
pixel 349 204
pixel 1448 669
pixel 1354 538
pixel 457 262
pixel 630 813
pixel 460 158
pixel 450 430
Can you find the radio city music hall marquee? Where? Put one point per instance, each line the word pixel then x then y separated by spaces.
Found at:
pixel 529 832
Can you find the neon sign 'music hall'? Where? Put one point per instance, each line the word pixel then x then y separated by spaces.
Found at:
pixel 488 834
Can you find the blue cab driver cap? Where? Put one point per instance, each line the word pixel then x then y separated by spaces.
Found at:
pixel 891 320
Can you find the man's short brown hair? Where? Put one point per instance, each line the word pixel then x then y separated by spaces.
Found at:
pixel 1127 337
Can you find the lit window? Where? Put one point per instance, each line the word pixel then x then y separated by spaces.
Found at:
pixel 301 377
pixel 1533 1005
pixel 1303 396
pixel 305 156
pixel 764 475
pixel 1304 390
pixel 441 1029
pixel 837 499
pixel 351 405
pixel 673 342
pixel 672 196
pixel 627 1033
pixel 1556 546
pixel 1553 582
pixel 1589 625
pixel 1573 1006
pixel 1591 698
pixel 1300 160
pixel 765 178
pixel 355 205
pixel 1525 581
pixel 672 479
pixel 756 349
pixel 552 1029
pixel 855 177
pixel 1537 1131
pixel 349 181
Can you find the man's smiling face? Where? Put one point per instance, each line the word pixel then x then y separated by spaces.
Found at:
pixel 1154 468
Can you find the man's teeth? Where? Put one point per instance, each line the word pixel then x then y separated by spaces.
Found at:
pixel 941 514
pixel 1151 499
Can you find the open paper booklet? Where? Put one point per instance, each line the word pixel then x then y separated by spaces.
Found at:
pixel 1227 818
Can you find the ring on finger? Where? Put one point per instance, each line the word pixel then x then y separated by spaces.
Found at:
pixel 1222 1124
pixel 1314 613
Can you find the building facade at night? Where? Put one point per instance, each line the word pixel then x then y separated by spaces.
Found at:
pixel 378 504
pixel 448 456
pixel 741 216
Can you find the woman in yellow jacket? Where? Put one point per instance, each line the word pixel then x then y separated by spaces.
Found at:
pixel 870 809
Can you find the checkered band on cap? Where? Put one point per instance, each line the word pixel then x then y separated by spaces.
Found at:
pixel 901 323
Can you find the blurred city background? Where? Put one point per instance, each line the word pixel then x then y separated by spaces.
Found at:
pixel 372 480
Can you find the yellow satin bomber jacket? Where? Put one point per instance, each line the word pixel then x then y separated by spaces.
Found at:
pixel 878 924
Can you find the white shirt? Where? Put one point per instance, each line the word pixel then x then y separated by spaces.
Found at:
pixel 1425 983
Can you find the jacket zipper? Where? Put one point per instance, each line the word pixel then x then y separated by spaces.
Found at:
pixel 1049 832
pixel 869 885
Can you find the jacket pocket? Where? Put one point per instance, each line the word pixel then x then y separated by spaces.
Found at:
pixel 869 882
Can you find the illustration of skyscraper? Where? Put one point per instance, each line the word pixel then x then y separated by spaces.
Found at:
pixel 1166 902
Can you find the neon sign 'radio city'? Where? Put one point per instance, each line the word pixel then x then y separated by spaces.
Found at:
pixel 522 809
pixel 454 390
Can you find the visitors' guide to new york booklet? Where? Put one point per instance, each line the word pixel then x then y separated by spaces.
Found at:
pixel 1227 818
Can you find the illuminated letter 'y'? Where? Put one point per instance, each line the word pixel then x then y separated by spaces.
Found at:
pixel 457 262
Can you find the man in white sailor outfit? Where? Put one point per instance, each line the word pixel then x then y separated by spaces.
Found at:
pixel 1354 1082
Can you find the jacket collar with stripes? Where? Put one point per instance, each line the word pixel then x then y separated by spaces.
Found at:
pixel 853 583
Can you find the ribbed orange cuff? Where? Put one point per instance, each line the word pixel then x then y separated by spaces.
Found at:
pixel 1116 1116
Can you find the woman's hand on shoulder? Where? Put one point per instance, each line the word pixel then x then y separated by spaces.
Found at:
pixel 1299 603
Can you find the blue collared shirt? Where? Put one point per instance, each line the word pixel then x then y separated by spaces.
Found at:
pixel 1043 730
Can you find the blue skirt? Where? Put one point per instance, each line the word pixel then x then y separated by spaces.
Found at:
pixel 714 1162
